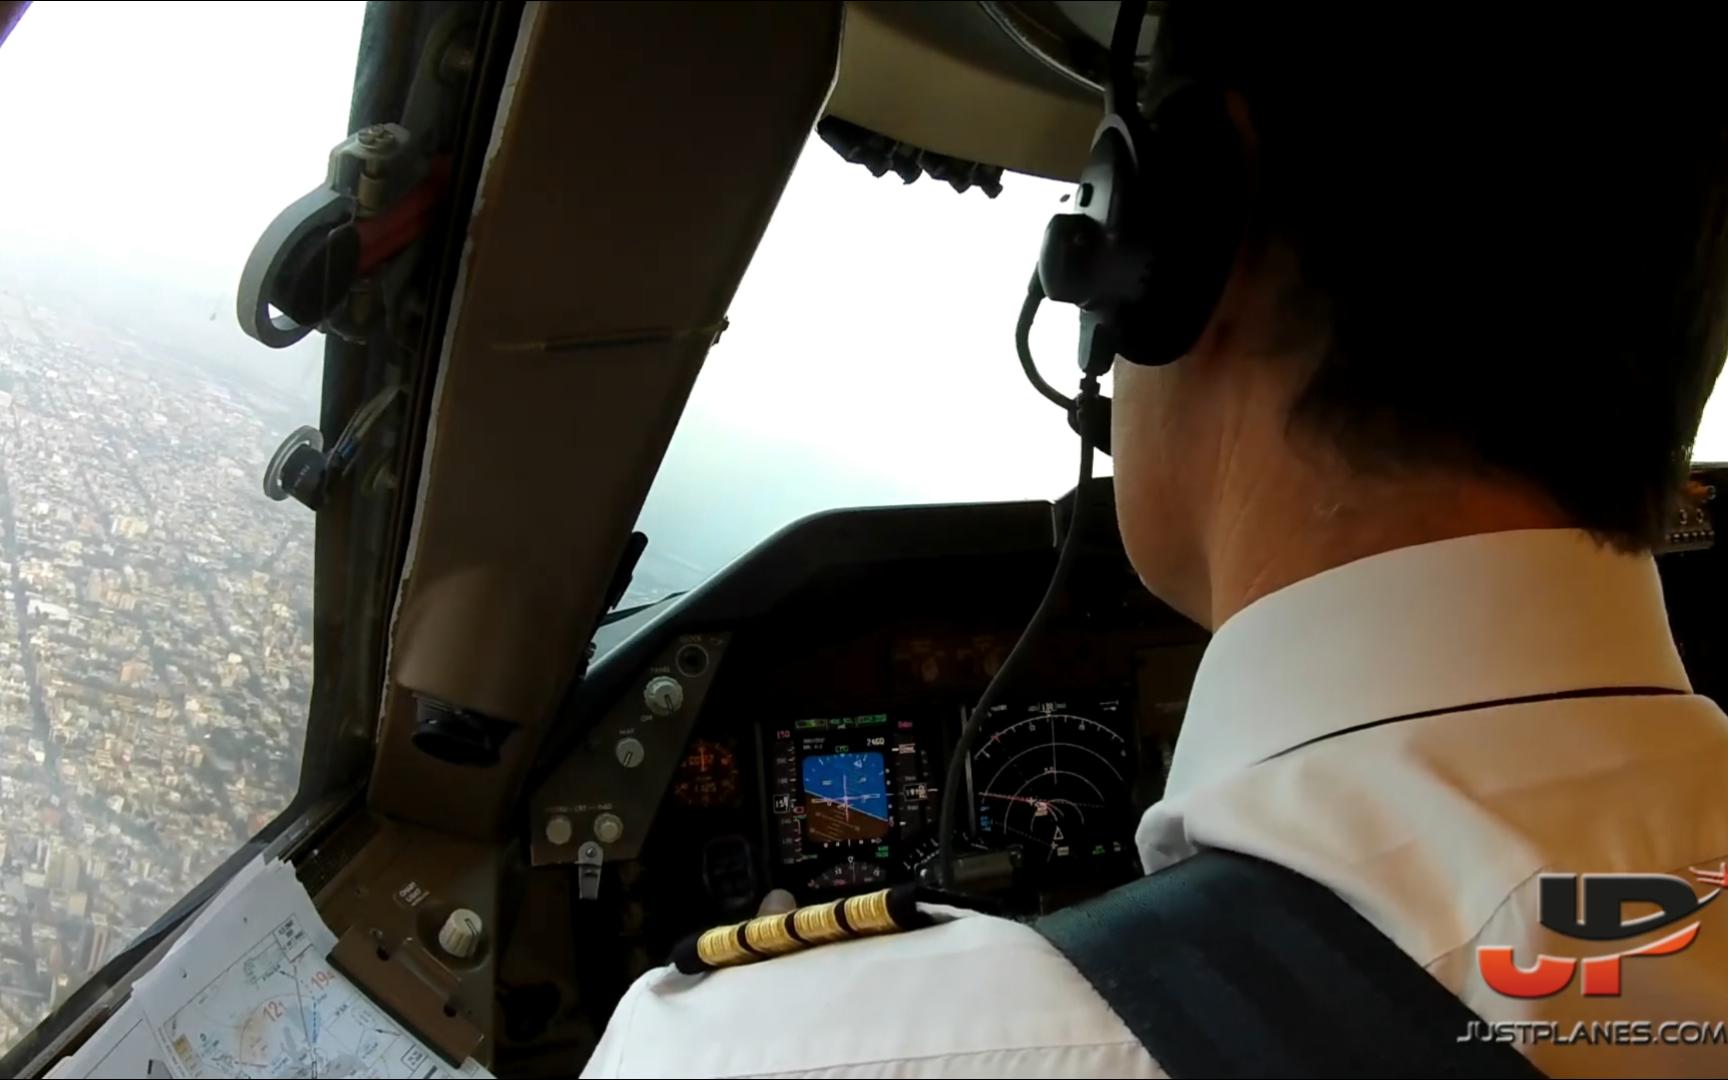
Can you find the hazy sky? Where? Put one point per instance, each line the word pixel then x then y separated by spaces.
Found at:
pixel 148 144
pixel 870 359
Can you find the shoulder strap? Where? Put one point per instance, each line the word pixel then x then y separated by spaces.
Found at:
pixel 1226 965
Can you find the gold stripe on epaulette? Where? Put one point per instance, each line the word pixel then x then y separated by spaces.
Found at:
pixel 720 947
pixel 768 935
pixel 868 914
pixel 820 923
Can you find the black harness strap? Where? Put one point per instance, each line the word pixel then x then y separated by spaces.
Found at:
pixel 1226 965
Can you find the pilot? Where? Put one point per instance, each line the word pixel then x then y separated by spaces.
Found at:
pixel 1410 475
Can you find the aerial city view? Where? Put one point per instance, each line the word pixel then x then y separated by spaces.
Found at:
pixel 155 636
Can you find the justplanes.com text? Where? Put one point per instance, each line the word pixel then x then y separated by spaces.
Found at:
pixel 1599 1032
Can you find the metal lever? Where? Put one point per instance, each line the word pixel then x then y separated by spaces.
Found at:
pixel 588 860
pixel 301 470
pixel 302 268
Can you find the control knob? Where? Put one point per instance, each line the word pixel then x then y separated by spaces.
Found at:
pixel 608 828
pixel 629 751
pixel 460 935
pixel 559 829
pixel 663 695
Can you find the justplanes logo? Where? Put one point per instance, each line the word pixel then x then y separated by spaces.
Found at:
pixel 1592 907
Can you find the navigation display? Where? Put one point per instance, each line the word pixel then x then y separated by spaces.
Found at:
pixel 1052 780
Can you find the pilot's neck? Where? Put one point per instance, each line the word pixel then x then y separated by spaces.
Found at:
pixel 1295 520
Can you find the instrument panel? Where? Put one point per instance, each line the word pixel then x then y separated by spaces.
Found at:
pixel 853 801
pixel 791 725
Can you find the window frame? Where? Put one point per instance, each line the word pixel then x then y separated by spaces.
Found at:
pixel 361 540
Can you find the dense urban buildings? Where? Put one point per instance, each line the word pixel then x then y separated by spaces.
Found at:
pixel 155 639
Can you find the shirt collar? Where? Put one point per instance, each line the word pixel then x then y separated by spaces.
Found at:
pixel 1456 622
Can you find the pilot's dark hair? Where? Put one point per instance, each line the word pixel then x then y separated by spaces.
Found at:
pixel 1510 225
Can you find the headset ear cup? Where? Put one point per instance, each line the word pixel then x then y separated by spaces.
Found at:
pixel 1093 257
pixel 1156 225
pixel 1187 211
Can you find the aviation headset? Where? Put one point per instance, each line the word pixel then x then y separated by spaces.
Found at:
pixel 1156 221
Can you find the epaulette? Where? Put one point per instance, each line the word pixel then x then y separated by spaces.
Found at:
pixel 886 911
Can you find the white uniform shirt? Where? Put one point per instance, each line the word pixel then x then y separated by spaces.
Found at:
pixel 1435 829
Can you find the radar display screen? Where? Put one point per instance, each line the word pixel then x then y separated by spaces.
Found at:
pixel 1052 781
pixel 845 793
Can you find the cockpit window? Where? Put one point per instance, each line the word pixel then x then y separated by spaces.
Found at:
pixel 156 616
pixel 1712 444
pixel 869 360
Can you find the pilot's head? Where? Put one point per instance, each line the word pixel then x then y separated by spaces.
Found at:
pixel 1481 286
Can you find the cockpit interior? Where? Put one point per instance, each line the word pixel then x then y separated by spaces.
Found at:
pixel 542 744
